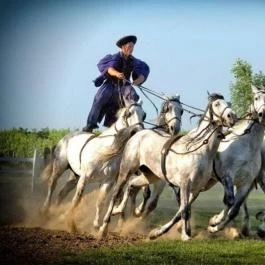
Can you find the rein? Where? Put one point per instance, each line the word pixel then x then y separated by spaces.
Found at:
pixel 145 90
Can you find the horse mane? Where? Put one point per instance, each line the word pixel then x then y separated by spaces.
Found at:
pixel 211 97
pixel 160 121
pixel 118 145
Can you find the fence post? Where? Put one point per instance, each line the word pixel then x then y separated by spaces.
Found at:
pixel 34 169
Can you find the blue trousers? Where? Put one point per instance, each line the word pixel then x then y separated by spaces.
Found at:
pixel 107 103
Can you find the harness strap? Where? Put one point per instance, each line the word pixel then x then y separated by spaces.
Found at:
pixel 164 153
pixel 88 140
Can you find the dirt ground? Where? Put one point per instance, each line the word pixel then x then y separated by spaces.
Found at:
pixel 25 238
pixel 28 246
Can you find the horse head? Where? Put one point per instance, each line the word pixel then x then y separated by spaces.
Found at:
pixel 170 114
pixel 258 105
pixel 219 110
pixel 131 114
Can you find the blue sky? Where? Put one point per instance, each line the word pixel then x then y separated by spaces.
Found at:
pixel 49 51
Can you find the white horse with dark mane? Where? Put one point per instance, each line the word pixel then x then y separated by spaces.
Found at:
pixel 75 152
pixel 185 162
pixel 238 162
pixel 168 124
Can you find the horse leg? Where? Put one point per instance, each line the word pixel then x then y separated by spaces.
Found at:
pixel 261 181
pixel 75 202
pixel 133 194
pixel 183 207
pixel 56 171
pixel 228 200
pixel 245 228
pixel 103 191
pixel 69 186
pixel 136 182
pixel 141 207
pixel 158 188
pixel 241 195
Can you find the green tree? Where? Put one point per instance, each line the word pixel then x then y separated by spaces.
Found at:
pixel 259 79
pixel 241 94
pixel 240 89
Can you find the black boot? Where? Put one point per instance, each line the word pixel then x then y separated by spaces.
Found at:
pixel 88 128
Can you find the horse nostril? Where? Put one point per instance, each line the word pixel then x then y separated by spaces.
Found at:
pixel 260 114
pixel 229 116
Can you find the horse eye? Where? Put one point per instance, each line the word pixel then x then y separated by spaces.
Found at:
pixel 144 116
pixel 256 98
pixel 181 112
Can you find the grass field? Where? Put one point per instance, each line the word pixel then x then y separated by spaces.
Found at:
pixel 218 252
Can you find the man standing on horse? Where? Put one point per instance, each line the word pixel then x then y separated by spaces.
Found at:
pixel 116 70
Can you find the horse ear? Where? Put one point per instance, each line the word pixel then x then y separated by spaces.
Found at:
pixel 140 102
pixel 177 96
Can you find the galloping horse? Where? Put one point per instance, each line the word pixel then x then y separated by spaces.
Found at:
pixel 168 121
pixel 239 162
pixel 70 150
pixel 186 162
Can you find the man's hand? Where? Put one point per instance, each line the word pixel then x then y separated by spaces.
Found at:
pixel 115 73
pixel 139 80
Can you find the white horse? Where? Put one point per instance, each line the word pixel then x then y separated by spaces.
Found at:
pixel 69 152
pixel 239 162
pixel 171 110
pixel 186 163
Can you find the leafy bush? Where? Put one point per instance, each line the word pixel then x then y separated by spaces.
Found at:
pixel 22 142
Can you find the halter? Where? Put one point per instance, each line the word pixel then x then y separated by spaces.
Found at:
pixel 125 117
pixel 254 120
pixel 164 111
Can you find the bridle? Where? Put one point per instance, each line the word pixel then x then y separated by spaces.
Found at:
pixel 126 116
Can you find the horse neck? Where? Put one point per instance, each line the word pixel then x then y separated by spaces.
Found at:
pixel 117 126
pixel 209 131
pixel 256 136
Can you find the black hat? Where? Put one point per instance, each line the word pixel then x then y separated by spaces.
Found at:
pixel 126 39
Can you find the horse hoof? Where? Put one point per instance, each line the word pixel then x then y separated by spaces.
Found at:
pixel 137 212
pixel 245 231
pixel 185 238
pixel 261 232
pixel 102 233
pixel 154 234
pixel 214 221
pixel 212 229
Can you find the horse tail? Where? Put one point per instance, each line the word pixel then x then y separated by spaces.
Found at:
pixel 47 172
